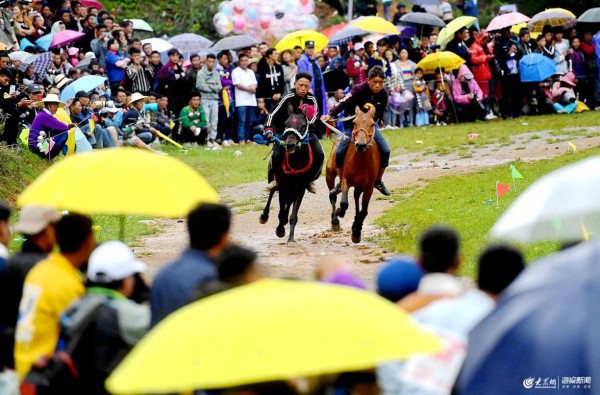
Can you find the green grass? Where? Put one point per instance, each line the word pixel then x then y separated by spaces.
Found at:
pixel 459 201
pixel 445 140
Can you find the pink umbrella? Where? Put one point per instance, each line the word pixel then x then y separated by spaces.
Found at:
pixel 507 20
pixel 65 37
pixel 92 3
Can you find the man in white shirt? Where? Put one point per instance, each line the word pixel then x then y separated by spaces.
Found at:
pixel 245 84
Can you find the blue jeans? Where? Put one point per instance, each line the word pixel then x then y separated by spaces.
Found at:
pixel 382 145
pixel 146 137
pixel 103 139
pixel 245 116
pixel 386 10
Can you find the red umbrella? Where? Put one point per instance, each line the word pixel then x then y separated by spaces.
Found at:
pixel 92 3
pixel 330 31
pixel 65 37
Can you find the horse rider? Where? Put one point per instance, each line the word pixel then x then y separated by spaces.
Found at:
pixel 368 93
pixel 276 122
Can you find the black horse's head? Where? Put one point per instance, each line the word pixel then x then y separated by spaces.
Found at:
pixel 296 128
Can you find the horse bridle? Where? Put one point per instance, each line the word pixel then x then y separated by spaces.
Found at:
pixel 370 142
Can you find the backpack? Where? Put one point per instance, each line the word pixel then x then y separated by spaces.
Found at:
pixel 59 374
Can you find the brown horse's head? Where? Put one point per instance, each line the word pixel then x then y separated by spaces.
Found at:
pixel 296 127
pixel 364 129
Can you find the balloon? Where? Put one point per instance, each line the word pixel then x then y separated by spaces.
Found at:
pixel 279 14
pixel 239 6
pixel 264 22
pixel 311 22
pixel 304 2
pixel 308 8
pixel 251 14
pixel 239 25
pixel 226 7
pixel 223 27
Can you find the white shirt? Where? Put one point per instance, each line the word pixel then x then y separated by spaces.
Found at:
pixel 246 78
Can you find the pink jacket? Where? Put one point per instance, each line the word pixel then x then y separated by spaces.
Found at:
pixel 457 92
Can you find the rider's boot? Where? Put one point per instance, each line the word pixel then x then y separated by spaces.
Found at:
pixel 311 187
pixel 379 183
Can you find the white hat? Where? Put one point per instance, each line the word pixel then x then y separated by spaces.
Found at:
pixel 51 98
pixel 113 261
pixel 34 219
pixel 136 96
pixel 61 80
pixel 358 46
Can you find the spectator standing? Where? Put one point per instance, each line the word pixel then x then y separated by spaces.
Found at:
pixel 49 289
pixel 208 83
pixel 116 63
pixel 421 98
pixel 400 12
pixel 176 284
pixel 245 84
pixel 508 57
pixel 458 46
pixel 272 80
pixel 196 63
pixel 308 64
pixel 357 65
pixel 226 117
pixel 140 75
pixel 288 65
pixel 562 50
pixel 170 81
pixel 481 56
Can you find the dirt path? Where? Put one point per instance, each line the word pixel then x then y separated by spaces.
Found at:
pixel 313 234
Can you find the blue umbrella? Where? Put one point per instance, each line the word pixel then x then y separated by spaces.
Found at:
pixel 45 41
pixel 87 84
pixel 536 67
pixel 546 327
pixel 25 43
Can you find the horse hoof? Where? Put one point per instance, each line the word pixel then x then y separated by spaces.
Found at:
pixel 263 219
pixel 292 242
pixel 335 227
pixel 341 214
pixel 280 231
pixel 356 238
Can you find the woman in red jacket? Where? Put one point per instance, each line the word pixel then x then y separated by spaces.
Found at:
pixel 481 55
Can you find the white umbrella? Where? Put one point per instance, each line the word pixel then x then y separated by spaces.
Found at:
pixel 22 56
pixel 158 44
pixel 561 206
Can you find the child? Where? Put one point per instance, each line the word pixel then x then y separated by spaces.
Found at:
pixel 439 99
pixel 565 100
pixel 422 98
pixel 578 64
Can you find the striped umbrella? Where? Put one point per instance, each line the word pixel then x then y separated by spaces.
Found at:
pixel 41 63
pixel 553 17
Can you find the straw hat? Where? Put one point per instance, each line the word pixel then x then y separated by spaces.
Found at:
pixel 61 80
pixel 51 98
pixel 135 97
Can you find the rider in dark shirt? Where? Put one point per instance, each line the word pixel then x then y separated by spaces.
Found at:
pixel 367 93
pixel 276 124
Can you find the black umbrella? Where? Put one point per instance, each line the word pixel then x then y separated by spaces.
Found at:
pixel 422 18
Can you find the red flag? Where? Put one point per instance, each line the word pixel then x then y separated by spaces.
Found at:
pixel 501 189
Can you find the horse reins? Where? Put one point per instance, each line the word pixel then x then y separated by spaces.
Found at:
pixel 287 167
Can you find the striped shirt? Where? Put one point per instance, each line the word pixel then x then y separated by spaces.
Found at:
pixel 141 80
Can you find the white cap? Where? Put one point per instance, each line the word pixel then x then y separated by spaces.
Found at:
pixel 358 46
pixel 34 219
pixel 113 261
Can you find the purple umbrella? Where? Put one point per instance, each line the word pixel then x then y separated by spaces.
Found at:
pixel 65 37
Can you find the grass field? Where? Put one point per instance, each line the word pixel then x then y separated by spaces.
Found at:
pixel 463 203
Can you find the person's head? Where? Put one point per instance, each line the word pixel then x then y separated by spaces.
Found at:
pixel 173 55
pixel 547 33
pixel 223 58
pixel 83 97
pixel 524 35
pixel 575 43
pixel 309 48
pixel 359 49
pixel 271 55
pixel 5 233
pixel 332 52
pixel 5 76
pixel 498 266
pixel 112 44
pixel 376 79
pixel 541 41
pixel 321 61
pixel 382 45
pixel 401 8
pixel 35 92
pixel 38 21
pixel 237 265
pixel 126 26
pixel 91 21
pixel 121 97
pixel 558 32
pixel 403 55
pixel 113 265
pixel 298 52
pixel 418 72
pixel 163 102
pixel 65 16
pixel 135 55
pixel 195 98
pixel 109 22
pixel 155 58
pixel 433 39
pixel 286 56
pixel 76 107
pixel 369 49
pixel 137 101
pixel 36 223
pixel 4 59
pixel 262 48
pixel 302 85
pixel 587 35
pixel 339 94
pixel 439 250
pixel 243 61
pixel 461 34
pixel 398 278
pixel 210 62
pixel 147 48
pixel 208 227
pixel 75 238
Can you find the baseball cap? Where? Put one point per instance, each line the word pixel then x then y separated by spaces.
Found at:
pixel 34 88
pixel 359 46
pixel 34 219
pixel 309 44
pixel 82 94
pixel 398 278
pixel 113 261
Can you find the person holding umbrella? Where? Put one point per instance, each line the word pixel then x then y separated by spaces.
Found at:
pixel 458 46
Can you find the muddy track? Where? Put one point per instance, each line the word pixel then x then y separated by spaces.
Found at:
pixel 314 237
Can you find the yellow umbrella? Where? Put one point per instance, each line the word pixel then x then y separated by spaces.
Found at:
pixel 269 330
pixel 374 24
pixel 447 33
pixel 300 37
pixel 122 181
pixel 447 60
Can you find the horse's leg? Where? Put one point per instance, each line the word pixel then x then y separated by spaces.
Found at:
pixel 341 212
pixel 284 210
pixel 294 216
pixel 359 219
pixel 264 217
pixel 335 222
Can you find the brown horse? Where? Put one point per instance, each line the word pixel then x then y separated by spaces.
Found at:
pixel 361 166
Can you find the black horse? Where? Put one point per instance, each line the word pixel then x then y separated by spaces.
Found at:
pixel 294 174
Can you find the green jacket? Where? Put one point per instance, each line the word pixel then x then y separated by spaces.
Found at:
pixel 189 118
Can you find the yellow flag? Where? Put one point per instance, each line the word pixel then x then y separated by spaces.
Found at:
pixel 171 125
pixel 586 234
pixel 226 101
pixel 92 125
pixel 62 116
pixel 573 146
